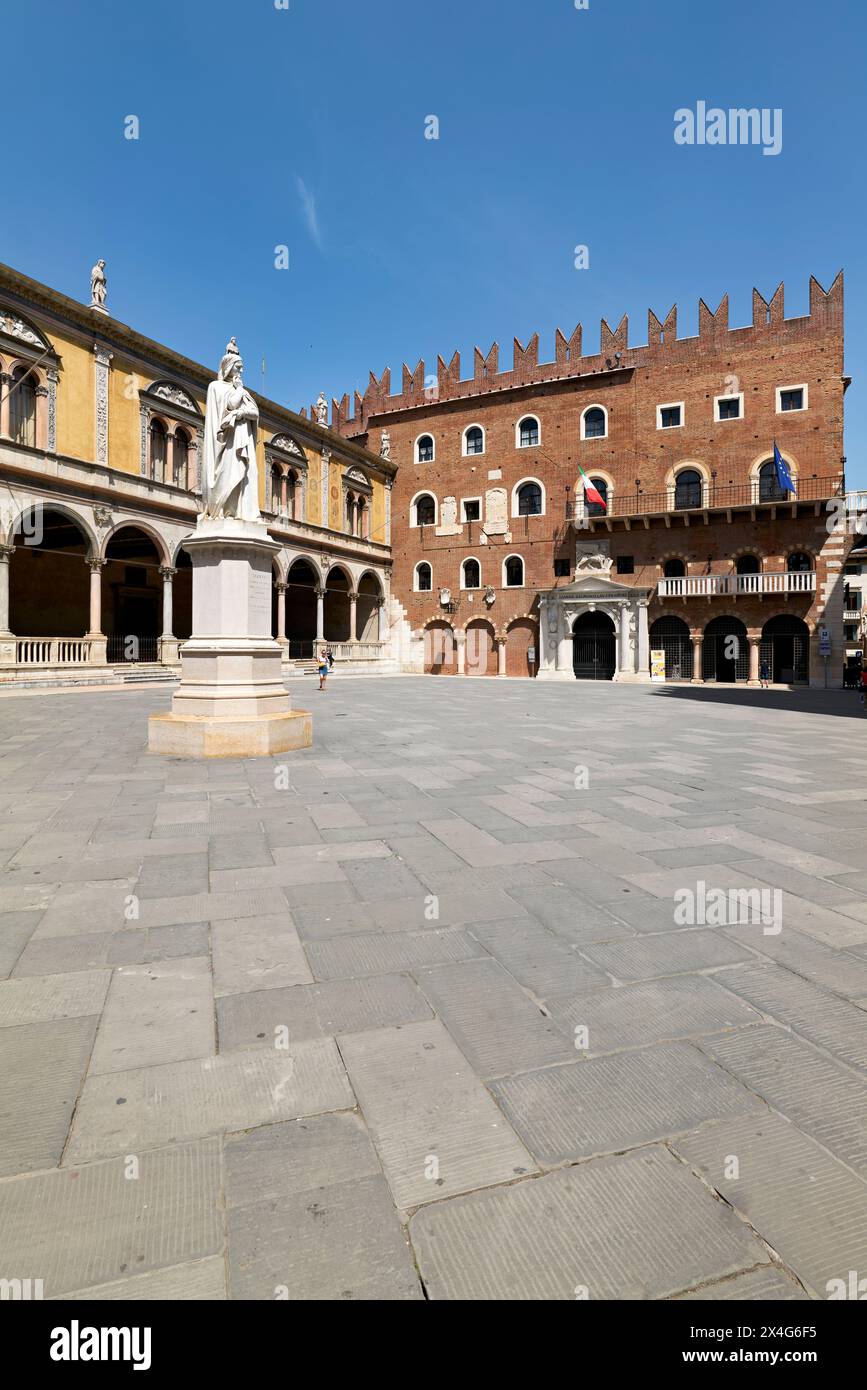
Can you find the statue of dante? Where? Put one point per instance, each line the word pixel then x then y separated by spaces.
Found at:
pixel 230 481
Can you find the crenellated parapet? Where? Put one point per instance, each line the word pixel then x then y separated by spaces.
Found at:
pixel 615 354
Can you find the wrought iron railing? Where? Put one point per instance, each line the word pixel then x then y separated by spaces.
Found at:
pixel 127 649
pixel 708 496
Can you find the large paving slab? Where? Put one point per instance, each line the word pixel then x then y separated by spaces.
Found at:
pixel 315 1011
pixel 679 1006
pixel 46 997
pixel 310 1215
pixel 804 1203
pixel 355 956
pixel 542 962
pixel 827 1101
pixel 156 1013
pixel 435 1127
pixel 770 1285
pixel 92 1225
pixel 256 953
pixel 42 1066
pixel 634 1226
pixel 495 1023
pixel 134 1110
pixel 199 1280
pixel 606 1104
pixel 670 953
pixel 822 1018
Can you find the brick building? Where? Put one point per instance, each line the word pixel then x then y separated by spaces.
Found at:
pixel 502 567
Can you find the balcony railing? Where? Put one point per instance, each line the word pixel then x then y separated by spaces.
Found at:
pixel 713 585
pixel 52 651
pixel 708 497
pixel 851 615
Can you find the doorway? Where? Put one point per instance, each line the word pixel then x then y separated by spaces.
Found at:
pixel 594 647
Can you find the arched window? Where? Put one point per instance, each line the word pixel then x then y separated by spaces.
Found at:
pixel 514 572
pixel 425 510
pixel 799 563
pixel 22 406
pixel 528 432
pixel 748 564
pixel 674 569
pixel 530 500
pixel 594 424
pixel 158 450
pixel 423 578
pixel 687 490
pixel 424 449
pixel 596 508
pixel 769 487
pixel 472 575
pixel 180 458
pixel 474 440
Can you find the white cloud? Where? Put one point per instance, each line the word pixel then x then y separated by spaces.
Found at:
pixel 308 207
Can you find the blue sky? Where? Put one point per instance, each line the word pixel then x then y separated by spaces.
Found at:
pixel 304 127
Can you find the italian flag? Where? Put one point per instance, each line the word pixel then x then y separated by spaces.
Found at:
pixel 591 494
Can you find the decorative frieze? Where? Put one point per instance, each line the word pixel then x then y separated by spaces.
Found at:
pixel 103 362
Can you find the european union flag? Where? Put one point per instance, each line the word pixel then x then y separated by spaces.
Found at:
pixel 784 475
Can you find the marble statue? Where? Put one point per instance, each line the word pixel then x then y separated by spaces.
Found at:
pixel 322 410
pixel 98 286
pixel 385 445
pixel 230 482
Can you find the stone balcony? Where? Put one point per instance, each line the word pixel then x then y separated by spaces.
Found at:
pixel 729 585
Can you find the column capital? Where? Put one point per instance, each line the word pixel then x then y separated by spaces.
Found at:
pixel 6 553
pixel 167 572
pixel 353 595
pixel 319 590
pixel 281 587
pixel 96 566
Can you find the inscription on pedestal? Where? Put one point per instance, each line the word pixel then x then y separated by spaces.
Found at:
pixel 260 603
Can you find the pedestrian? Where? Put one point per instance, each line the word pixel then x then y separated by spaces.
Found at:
pixel 323 668
pixel 764 675
pixel 330 655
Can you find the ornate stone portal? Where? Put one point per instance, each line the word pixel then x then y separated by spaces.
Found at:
pixel 231 702
pixel 594 592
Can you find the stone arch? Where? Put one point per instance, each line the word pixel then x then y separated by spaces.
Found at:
pixel 371 596
pixel 785 649
pixel 481 648
pixel 671 633
pixel 162 546
pixel 23 520
pixel 133 554
pixel 725 650
pixel 522 635
pixel 338 586
pixel 49 572
pixel 440 648
pixel 302 578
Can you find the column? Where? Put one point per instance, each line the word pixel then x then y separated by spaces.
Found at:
pixel 96 567
pixel 320 614
pixel 565 652
pixel 353 615
pixel 461 644
pixel 7 641
pixel 6 553
pixel 281 613
pixel 167 574
pixel 381 635
pixel 98 644
pixel 501 655
pixel 41 417
pixel 754 660
pixel 168 641
pixel 5 383
pixel 624 662
pixel 697 644
pixel 643 641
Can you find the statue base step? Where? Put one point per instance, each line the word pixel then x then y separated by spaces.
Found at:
pixel 229 736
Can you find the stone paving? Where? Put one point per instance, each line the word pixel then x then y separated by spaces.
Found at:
pixel 415 1013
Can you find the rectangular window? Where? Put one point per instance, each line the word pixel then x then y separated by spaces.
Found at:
pixel 562 569
pixel 791 398
pixel 729 407
pixel 625 564
pixel 472 509
pixel 670 417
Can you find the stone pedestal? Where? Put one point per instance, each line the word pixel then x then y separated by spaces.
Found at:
pixel 231 702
